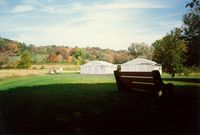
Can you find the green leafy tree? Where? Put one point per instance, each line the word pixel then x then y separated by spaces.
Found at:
pixel 22 47
pixel 191 32
pixel 25 61
pixel 140 50
pixel 170 52
pixel 78 56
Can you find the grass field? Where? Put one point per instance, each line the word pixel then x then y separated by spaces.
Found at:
pixel 87 104
pixel 37 70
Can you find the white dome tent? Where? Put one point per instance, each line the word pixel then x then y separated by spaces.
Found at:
pixel 98 67
pixel 141 65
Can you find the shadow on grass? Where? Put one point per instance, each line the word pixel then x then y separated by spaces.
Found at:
pixel 192 80
pixel 97 108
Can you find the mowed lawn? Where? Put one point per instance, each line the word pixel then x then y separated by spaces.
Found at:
pixel 87 104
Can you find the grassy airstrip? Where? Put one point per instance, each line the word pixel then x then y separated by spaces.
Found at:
pixel 88 104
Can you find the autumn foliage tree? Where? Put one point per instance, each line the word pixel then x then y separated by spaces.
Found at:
pixel 52 58
pixel 121 57
pixel 3 59
pixel 12 46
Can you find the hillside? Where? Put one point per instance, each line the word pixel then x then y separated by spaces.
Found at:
pixel 10 52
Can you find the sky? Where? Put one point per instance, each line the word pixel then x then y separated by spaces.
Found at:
pixel 112 24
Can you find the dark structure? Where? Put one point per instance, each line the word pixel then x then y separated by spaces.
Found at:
pixel 143 81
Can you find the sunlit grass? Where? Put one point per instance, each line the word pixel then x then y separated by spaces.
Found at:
pixel 55 79
pixel 32 78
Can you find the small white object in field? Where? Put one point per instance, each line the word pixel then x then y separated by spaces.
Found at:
pixel 54 71
pixel 59 70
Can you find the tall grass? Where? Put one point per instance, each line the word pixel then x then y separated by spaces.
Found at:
pixel 13 73
pixel 37 70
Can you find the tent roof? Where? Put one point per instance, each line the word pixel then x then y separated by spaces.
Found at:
pixel 139 61
pixel 104 63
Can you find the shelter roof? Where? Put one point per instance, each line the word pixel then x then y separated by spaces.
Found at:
pixel 104 63
pixel 140 61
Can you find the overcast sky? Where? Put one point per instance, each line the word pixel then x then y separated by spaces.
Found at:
pixel 113 24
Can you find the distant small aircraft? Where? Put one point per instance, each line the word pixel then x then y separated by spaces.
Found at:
pixel 54 71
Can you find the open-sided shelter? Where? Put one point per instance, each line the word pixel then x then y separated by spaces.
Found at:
pixel 98 67
pixel 141 65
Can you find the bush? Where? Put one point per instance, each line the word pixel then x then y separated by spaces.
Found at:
pixel 12 64
pixel 25 61
pixel 195 68
pixel 34 68
pixel 42 67
pixel 186 71
pixel 4 59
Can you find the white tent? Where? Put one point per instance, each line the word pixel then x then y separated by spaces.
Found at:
pixel 141 65
pixel 98 67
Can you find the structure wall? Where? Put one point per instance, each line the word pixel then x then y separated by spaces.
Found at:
pixel 97 70
pixel 141 68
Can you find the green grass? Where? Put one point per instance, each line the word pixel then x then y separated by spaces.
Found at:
pixel 77 78
pixel 87 104
pixel 54 79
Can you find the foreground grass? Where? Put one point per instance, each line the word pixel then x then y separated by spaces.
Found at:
pixel 80 104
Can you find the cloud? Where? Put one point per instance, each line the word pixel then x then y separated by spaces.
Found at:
pixel 108 25
pixel 91 33
pixel 118 6
pixel 22 8
pixel 51 7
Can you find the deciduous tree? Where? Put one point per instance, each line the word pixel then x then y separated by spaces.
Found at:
pixel 25 61
pixel 77 56
pixel 169 51
pixel 191 32
pixel 3 59
pixel 52 58
pixel 140 50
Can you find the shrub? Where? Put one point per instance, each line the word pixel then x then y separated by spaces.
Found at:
pixel 25 61
pixel 186 71
pixel 11 64
pixel 34 68
pixel 42 67
pixel 195 68
pixel 3 59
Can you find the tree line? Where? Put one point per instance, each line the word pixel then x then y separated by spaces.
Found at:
pixel 11 52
